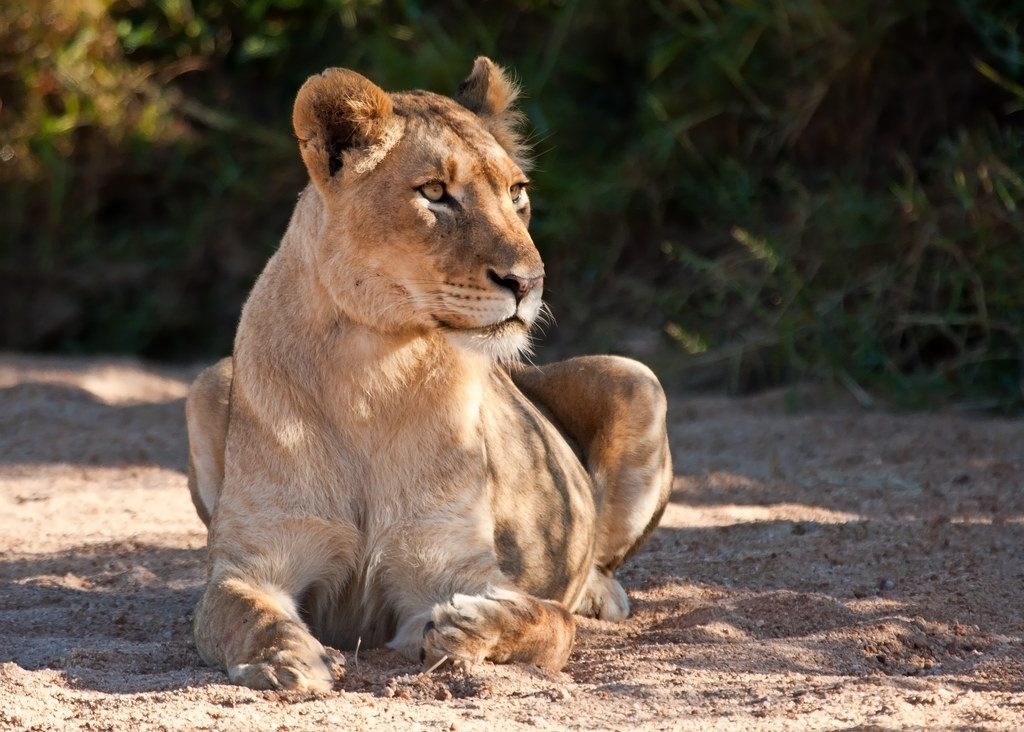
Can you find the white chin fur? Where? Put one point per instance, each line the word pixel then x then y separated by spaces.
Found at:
pixel 504 348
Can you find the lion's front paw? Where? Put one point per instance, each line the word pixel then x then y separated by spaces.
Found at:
pixel 461 630
pixel 302 665
pixel 502 626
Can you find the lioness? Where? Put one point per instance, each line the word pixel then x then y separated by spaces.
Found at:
pixel 374 463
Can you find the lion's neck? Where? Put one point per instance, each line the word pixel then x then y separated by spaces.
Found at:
pixel 345 367
pixel 375 374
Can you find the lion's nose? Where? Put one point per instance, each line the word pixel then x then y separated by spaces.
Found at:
pixel 517 285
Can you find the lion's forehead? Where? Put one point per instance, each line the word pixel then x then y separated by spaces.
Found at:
pixel 441 134
pixel 426 105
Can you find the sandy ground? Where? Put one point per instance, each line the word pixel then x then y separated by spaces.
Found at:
pixel 823 568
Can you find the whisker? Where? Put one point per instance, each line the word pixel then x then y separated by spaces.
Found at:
pixel 545 318
pixel 527 354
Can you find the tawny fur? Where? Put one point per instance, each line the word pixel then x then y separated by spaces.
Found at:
pixel 373 463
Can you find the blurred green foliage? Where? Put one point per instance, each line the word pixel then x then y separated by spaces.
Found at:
pixel 747 192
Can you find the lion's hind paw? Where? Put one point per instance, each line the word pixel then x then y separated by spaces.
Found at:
pixel 603 598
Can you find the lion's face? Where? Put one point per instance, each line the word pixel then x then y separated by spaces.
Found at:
pixel 426 226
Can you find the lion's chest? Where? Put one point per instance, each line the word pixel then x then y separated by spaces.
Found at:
pixel 408 446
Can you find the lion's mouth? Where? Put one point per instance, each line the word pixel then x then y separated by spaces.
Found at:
pixel 494 330
pixel 503 341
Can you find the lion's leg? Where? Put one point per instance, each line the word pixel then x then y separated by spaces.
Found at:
pixel 614 408
pixel 206 413
pixel 255 632
pixel 248 620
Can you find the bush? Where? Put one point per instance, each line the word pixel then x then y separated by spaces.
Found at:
pixel 782 190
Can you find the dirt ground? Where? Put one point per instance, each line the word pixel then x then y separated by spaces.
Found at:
pixel 818 568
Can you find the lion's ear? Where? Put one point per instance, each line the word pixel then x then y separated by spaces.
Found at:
pixel 336 111
pixel 487 91
pixel 490 94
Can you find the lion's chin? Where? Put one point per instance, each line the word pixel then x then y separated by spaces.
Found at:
pixel 503 342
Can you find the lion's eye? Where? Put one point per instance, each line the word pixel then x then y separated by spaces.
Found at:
pixel 515 192
pixel 433 191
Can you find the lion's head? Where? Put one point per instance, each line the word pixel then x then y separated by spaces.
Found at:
pixel 425 208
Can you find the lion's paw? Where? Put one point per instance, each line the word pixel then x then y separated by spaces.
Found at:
pixel 300 667
pixel 504 626
pixel 603 598
pixel 465 629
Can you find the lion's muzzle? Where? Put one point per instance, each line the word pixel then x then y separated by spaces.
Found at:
pixel 518 286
